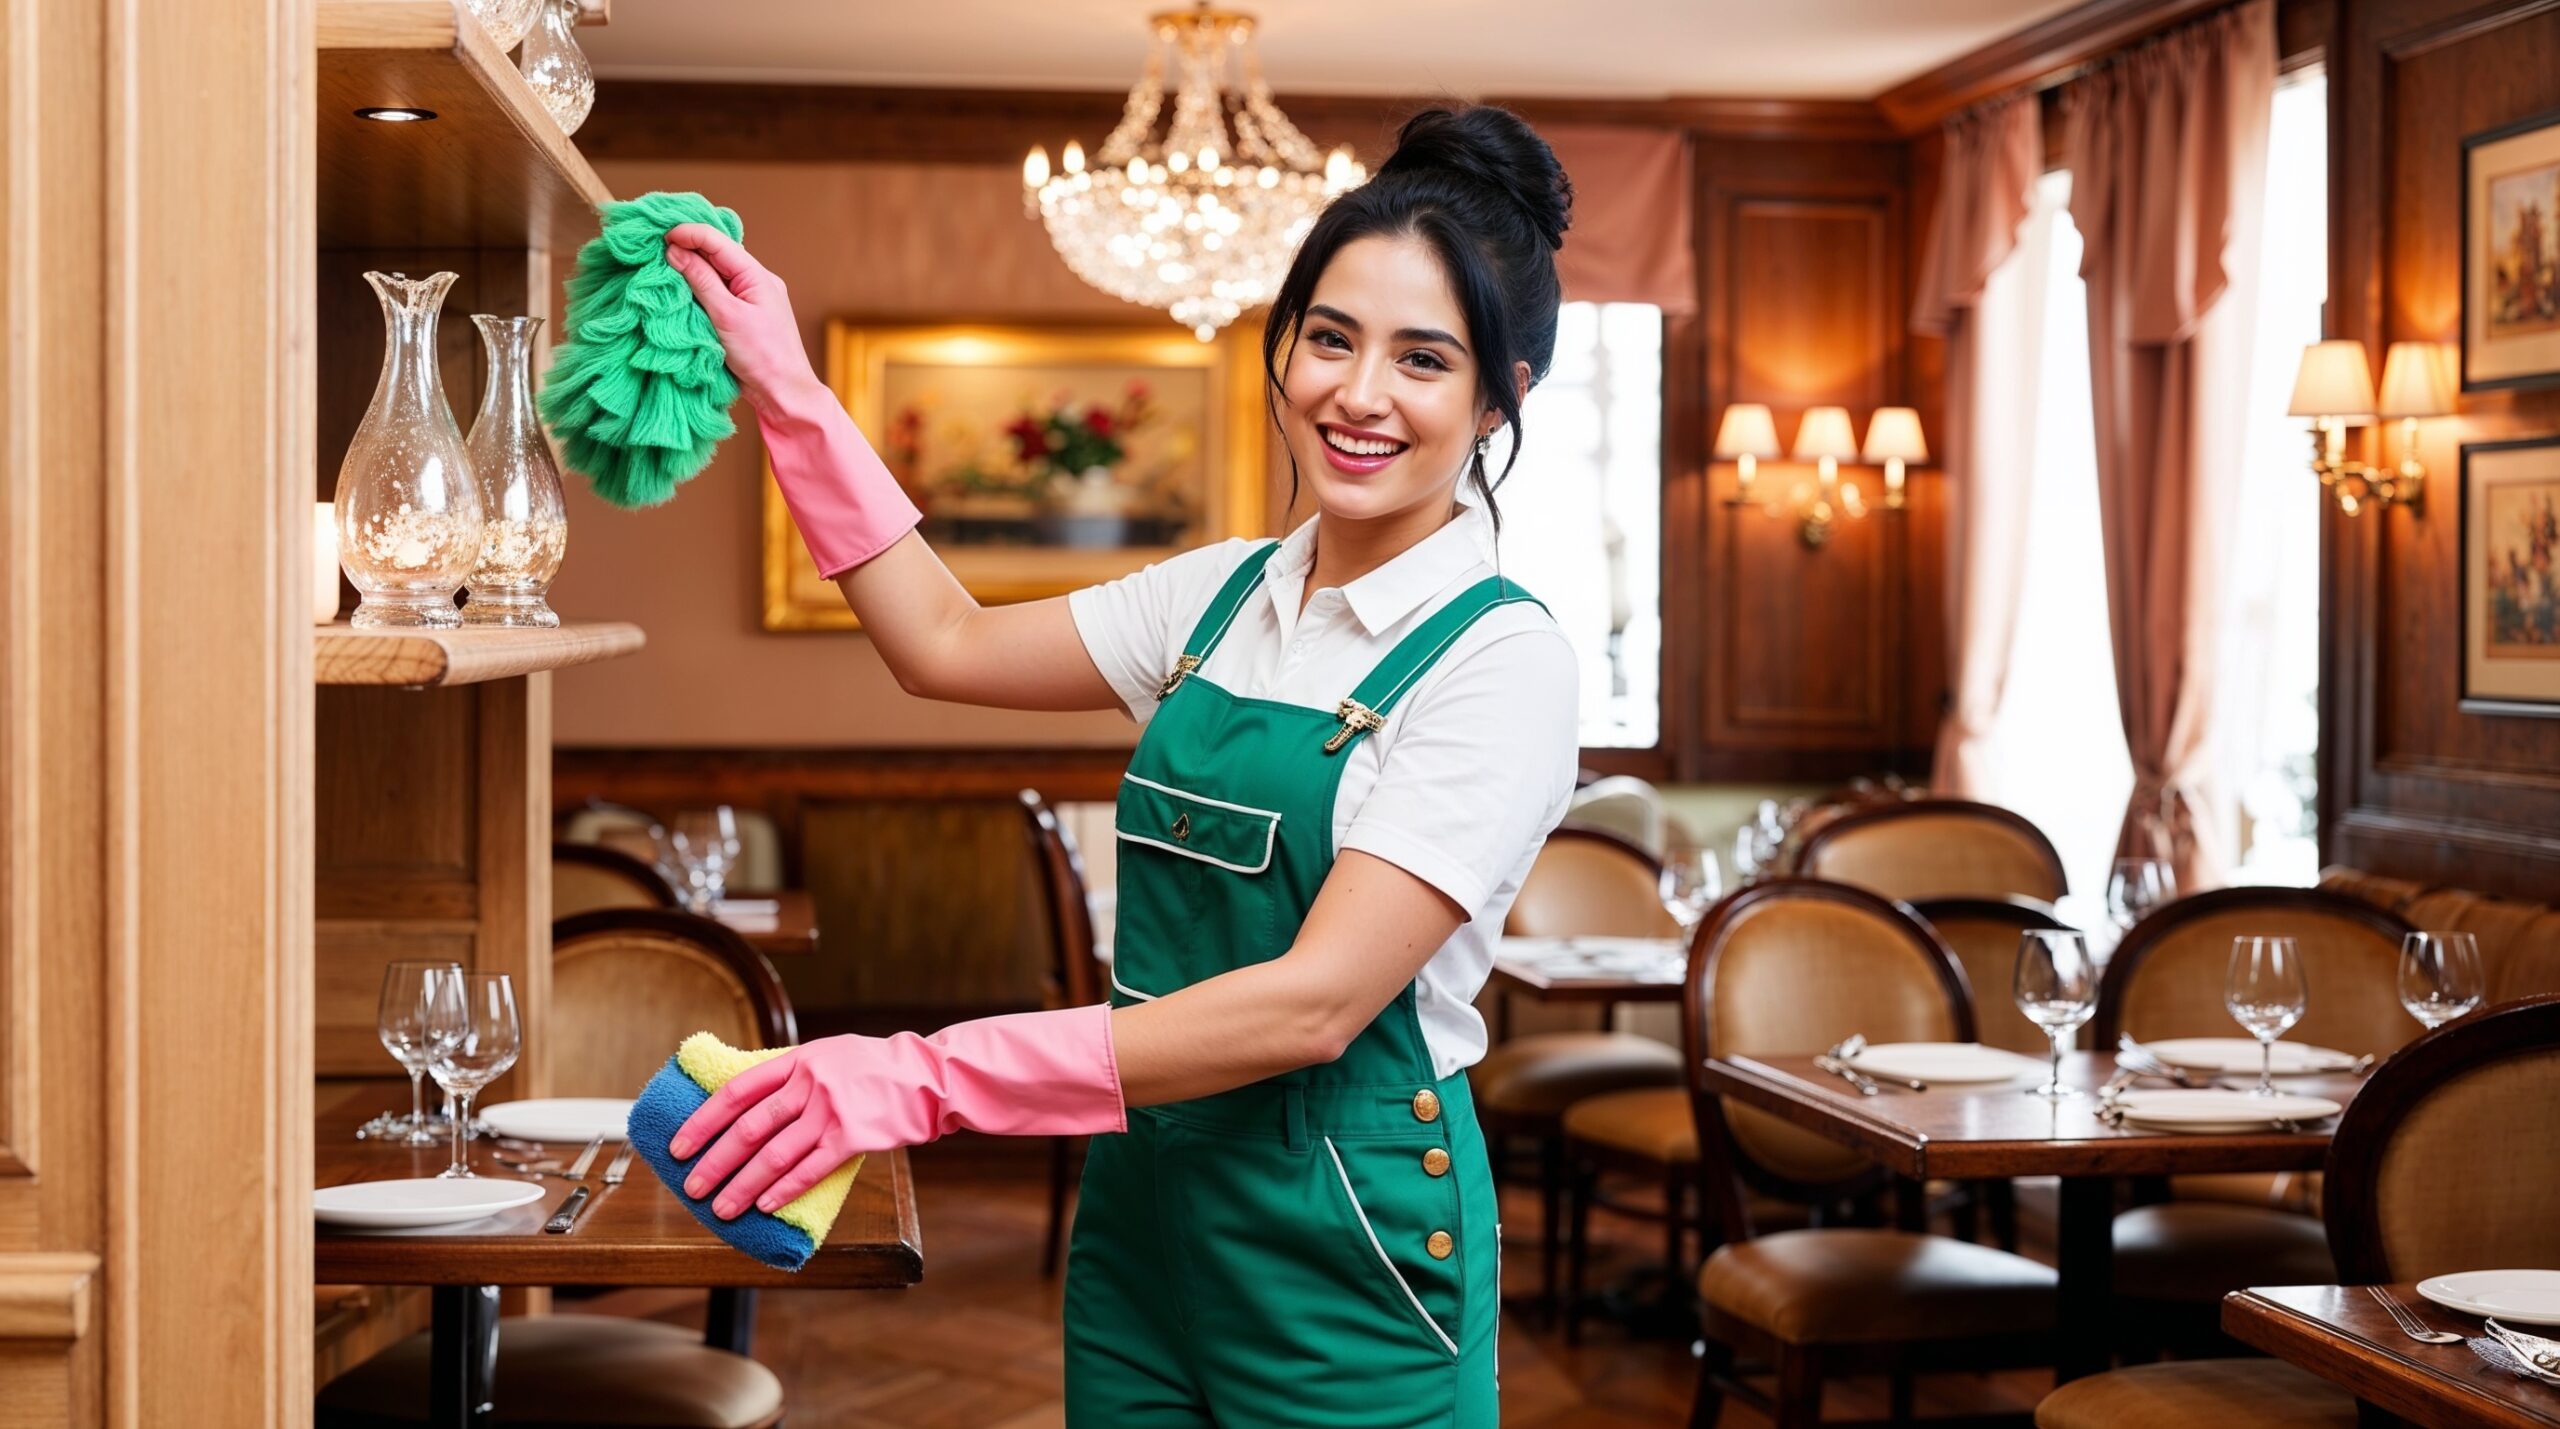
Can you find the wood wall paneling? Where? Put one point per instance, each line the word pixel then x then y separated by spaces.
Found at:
pixel 2410 784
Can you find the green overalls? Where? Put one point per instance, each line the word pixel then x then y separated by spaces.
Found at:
pixel 1318 1249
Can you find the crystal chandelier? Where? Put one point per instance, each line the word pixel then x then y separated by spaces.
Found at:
pixel 1203 220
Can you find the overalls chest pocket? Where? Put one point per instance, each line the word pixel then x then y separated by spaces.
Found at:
pixel 1192 867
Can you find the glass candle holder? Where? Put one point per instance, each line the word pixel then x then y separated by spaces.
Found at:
pixel 408 510
pixel 525 526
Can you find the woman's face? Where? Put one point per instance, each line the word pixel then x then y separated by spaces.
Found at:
pixel 1379 397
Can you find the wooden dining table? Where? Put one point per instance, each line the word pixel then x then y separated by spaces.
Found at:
pixel 2339 1333
pixel 1997 1131
pixel 636 1233
pixel 789 931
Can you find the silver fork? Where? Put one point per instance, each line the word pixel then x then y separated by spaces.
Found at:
pixel 2409 1324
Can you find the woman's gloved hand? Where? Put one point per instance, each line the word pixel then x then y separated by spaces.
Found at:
pixel 783 1125
pixel 847 504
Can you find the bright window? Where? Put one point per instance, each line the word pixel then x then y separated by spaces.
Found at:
pixel 1582 513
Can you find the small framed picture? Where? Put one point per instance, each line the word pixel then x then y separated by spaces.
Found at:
pixel 2511 577
pixel 2511 256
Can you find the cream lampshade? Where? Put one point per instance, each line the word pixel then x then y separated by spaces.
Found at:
pixel 1745 437
pixel 2417 380
pixel 2333 383
pixel 1893 437
pixel 1825 437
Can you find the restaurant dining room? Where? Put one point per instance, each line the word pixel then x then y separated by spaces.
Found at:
pixel 805 767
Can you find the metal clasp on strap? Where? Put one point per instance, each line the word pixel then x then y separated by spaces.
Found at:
pixel 1181 668
pixel 1355 718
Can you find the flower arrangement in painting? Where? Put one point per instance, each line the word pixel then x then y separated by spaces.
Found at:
pixel 1067 454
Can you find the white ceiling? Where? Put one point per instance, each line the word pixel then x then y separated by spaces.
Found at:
pixel 1835 49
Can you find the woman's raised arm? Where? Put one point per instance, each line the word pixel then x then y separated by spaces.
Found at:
pixel 858 522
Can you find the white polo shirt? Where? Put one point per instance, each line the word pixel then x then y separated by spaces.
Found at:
pixel 1475 765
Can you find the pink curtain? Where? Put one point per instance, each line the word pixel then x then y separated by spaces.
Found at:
pixel 1630 237
pixel 2167 150
pixel 1992 156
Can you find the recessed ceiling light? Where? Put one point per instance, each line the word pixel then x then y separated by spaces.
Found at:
pixel 397 114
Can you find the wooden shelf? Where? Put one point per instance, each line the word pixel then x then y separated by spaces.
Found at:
pixel 491 170
pixel 343 655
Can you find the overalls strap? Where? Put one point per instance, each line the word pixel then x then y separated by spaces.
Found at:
pixel 1369 705
pixel 1220 614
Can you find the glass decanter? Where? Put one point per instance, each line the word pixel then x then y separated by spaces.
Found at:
pixel 525 524
pixel 408 510
pixel 556 69
pixel 507 21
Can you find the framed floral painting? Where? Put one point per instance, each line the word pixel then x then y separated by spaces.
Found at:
pixel 2511 256
pixel 2511 577
pixel 1044 458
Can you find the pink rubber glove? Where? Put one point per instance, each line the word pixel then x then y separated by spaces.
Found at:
pixel 847 505
pixel 792 1120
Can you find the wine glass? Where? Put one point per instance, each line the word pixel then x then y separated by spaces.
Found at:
pixel 706 843
pixel 1691 883
pixel 2138 885
pixel 406 1023
pixel 2266 994
pixel 478 1011
pixel 2057 988
pixel 2439 976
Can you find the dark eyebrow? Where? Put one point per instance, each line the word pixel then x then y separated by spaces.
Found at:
pixel 1403 334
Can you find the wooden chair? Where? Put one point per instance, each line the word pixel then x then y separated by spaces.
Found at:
pixel 1075 978
pixel 2393 1214
pixel 1936 848
pixel 1794 966
pixel 586 877
pixel 627 985
pixel 2176 1259
pixel 1584 883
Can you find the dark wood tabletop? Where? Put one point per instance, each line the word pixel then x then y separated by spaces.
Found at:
pixel 791 931
pixel 1996 1130
pixel 635 1234
pixel 2338 1333
pixel 1518 965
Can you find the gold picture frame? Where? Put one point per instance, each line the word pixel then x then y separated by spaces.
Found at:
pixel 946 405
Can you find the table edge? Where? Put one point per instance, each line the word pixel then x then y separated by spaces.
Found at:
pixel 2282 1325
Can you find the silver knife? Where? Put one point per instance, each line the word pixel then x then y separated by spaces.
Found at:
pixel 1847 1073
pixel 586 1158
pixel 567 1216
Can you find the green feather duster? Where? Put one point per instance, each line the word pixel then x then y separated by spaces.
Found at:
pixel 639 389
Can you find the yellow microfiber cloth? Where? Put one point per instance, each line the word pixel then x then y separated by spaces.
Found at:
pixel 703 1065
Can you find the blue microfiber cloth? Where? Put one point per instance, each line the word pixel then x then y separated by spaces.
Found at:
pixel 639 389
pixel 786 1238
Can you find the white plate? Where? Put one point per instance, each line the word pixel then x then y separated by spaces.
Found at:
pixel 559 1118
pixel 1952 1062
pixel 2529 1296
pixel 2216 1111
pixel 386 1205
pixel 2240 1054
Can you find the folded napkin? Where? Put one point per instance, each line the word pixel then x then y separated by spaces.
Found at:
pixel 784 1239
pixel 2495 1352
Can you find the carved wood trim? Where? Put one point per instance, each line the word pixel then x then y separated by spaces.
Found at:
pixel 46 1296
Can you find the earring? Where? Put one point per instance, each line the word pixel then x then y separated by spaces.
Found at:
pixel 1483 440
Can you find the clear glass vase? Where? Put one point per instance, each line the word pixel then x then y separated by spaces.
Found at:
pixel 408 510
pixel 525 527
pixel 507 21
pixel 556 69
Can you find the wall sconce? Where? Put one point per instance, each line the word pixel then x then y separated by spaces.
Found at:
pixel 2334 388
pixel 1747 436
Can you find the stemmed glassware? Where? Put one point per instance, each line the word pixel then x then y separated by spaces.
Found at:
pixel 1691 883
pixel 2057 988
pixel 407 1025
pixel 2136 886
pixel 1756 844
pixel 2266 993
pixel 477 1012
pixel 706 845
pixel 2440 976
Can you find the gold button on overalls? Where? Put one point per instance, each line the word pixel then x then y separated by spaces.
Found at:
pixel 1426 1105
pixel 1435 1162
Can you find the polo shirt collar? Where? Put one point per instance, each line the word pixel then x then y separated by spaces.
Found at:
pixel 1395 590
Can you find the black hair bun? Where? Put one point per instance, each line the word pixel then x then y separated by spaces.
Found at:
pixel 1496 148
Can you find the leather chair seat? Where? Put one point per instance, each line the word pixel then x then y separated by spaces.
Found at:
pixel 1856 1286
pixel 1652 1122
pixel 2195 1252
pixel 1538 1076
pixel 2264 1394
pixel 573 1370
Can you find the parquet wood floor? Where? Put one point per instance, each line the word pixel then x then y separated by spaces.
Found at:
pixel 977 1345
